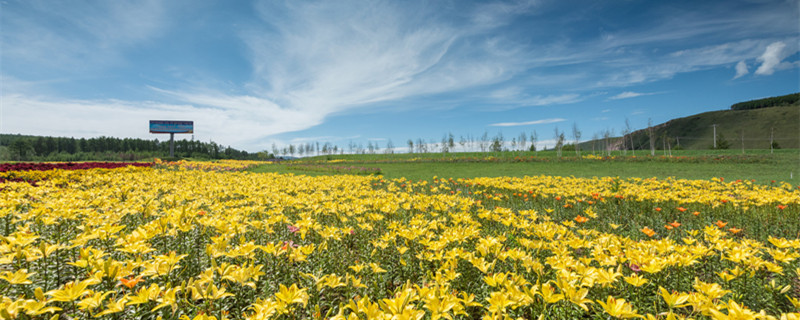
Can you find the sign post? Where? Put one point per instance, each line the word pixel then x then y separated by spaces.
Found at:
pixel 172 127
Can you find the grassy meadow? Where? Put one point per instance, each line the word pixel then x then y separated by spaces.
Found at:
pixel 761 165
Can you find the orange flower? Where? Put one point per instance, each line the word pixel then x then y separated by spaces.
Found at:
pixel 781 206
pixel 649 232
pixel 675 224
pixel 721 224
pixel 734 230
pixel 658 209
pixel 669 227
pixel 201 213
pixel 581 219
pixel 681 209
pixel 696 213
pixel 558 198
pixel 130 283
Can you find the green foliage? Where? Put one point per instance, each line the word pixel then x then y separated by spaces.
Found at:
pixel 789 99
pixel 37 148
pixel 722 143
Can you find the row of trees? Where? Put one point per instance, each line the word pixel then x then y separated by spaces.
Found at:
pixel 789 99
pixel 22 148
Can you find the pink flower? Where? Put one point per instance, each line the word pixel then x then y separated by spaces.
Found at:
pixel 289 244
pixel 635 267
pixel 352 231
pixel 293 229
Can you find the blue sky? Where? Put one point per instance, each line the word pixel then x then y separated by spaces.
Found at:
pixel 250 74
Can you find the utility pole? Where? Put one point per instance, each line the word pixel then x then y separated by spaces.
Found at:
pixel 715 135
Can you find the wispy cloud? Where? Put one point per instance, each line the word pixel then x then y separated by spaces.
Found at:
pixel 631 94
pixel 64 36
pixel 741 70
pixel 514 96
pixel 321 139
pixel 771 58
pixel 527 123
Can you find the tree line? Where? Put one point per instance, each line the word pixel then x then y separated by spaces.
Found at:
pixel 37 148
pixel 787 100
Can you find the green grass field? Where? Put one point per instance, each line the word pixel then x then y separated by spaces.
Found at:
pixel 782 165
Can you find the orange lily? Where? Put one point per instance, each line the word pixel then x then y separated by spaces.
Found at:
pixel 130 283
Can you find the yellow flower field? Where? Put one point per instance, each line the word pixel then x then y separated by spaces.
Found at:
pixel 187 241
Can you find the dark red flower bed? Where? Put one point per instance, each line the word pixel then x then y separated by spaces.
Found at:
pixel 38 166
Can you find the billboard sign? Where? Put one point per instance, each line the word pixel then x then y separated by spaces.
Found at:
pixel 171 126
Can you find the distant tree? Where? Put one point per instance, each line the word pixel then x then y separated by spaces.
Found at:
pixel 652 137
pixel 559 137
pixel 522 141
pixel 451 144
pixel 497 142
pixel 21 149
pixel 576 135
pixel 389 147
pixel 534 137
pixel 463 143
pixel 628 132
pixel 607 137
pixel 722 143
pixel 484 142
pixel 410 146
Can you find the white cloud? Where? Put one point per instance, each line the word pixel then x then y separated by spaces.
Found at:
pixel 741 69
pixel 234 123
pixel 514 97
pixel 527 123
pixel 631 94
pixel 771 58
pixel 551 99
pixel 335 56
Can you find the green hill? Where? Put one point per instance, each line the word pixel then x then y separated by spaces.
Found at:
pixel 751 128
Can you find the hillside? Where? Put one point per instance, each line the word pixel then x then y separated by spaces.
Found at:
pixel 752 127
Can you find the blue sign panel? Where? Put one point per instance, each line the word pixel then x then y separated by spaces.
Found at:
pixel 171 126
